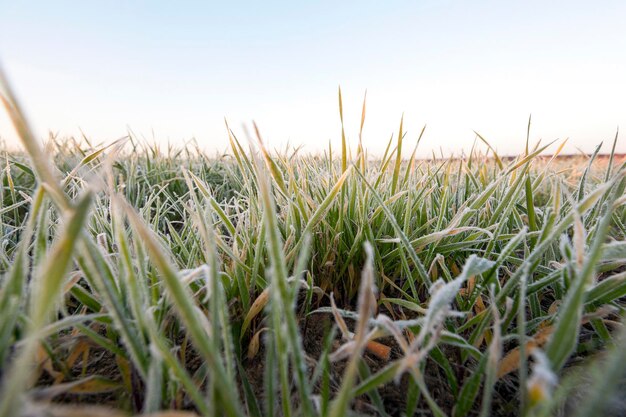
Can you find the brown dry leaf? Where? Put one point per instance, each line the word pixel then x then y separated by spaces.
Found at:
pixel 511 361
pixel 75 277
pixel 387 305
pixel 93 385
pixel 258 305
pixel 434 271
pixel 90 385
pixel 410 337
pixel 479 307
pixel 478 343
pixel 183 349
pixel 408 334
pixel 45 363
pixel 554 307
pixel 467 291
pixel 85 362
pixel 79 349
pixel 253 347
pixel 471 283
pixel 454 268
pixel 484 335
pixel 124 367
pixel 82 348
pixel 615 325
pixel 379 350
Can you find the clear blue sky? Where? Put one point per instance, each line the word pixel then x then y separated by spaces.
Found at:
pixel 174 70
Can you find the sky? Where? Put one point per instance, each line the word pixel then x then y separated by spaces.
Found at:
pixel 173 71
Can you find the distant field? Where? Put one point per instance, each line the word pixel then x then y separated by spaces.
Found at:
pixel 268 284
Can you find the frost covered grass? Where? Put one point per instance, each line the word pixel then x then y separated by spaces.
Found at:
pixel 146 280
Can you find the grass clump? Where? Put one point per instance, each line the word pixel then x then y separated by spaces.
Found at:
pixel 144 280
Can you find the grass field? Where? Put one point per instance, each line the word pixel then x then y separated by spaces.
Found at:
pixel 136 280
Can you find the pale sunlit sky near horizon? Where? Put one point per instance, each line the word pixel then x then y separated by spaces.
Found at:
pixel 171 71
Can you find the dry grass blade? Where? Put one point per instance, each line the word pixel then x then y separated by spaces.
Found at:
pixel 366 308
